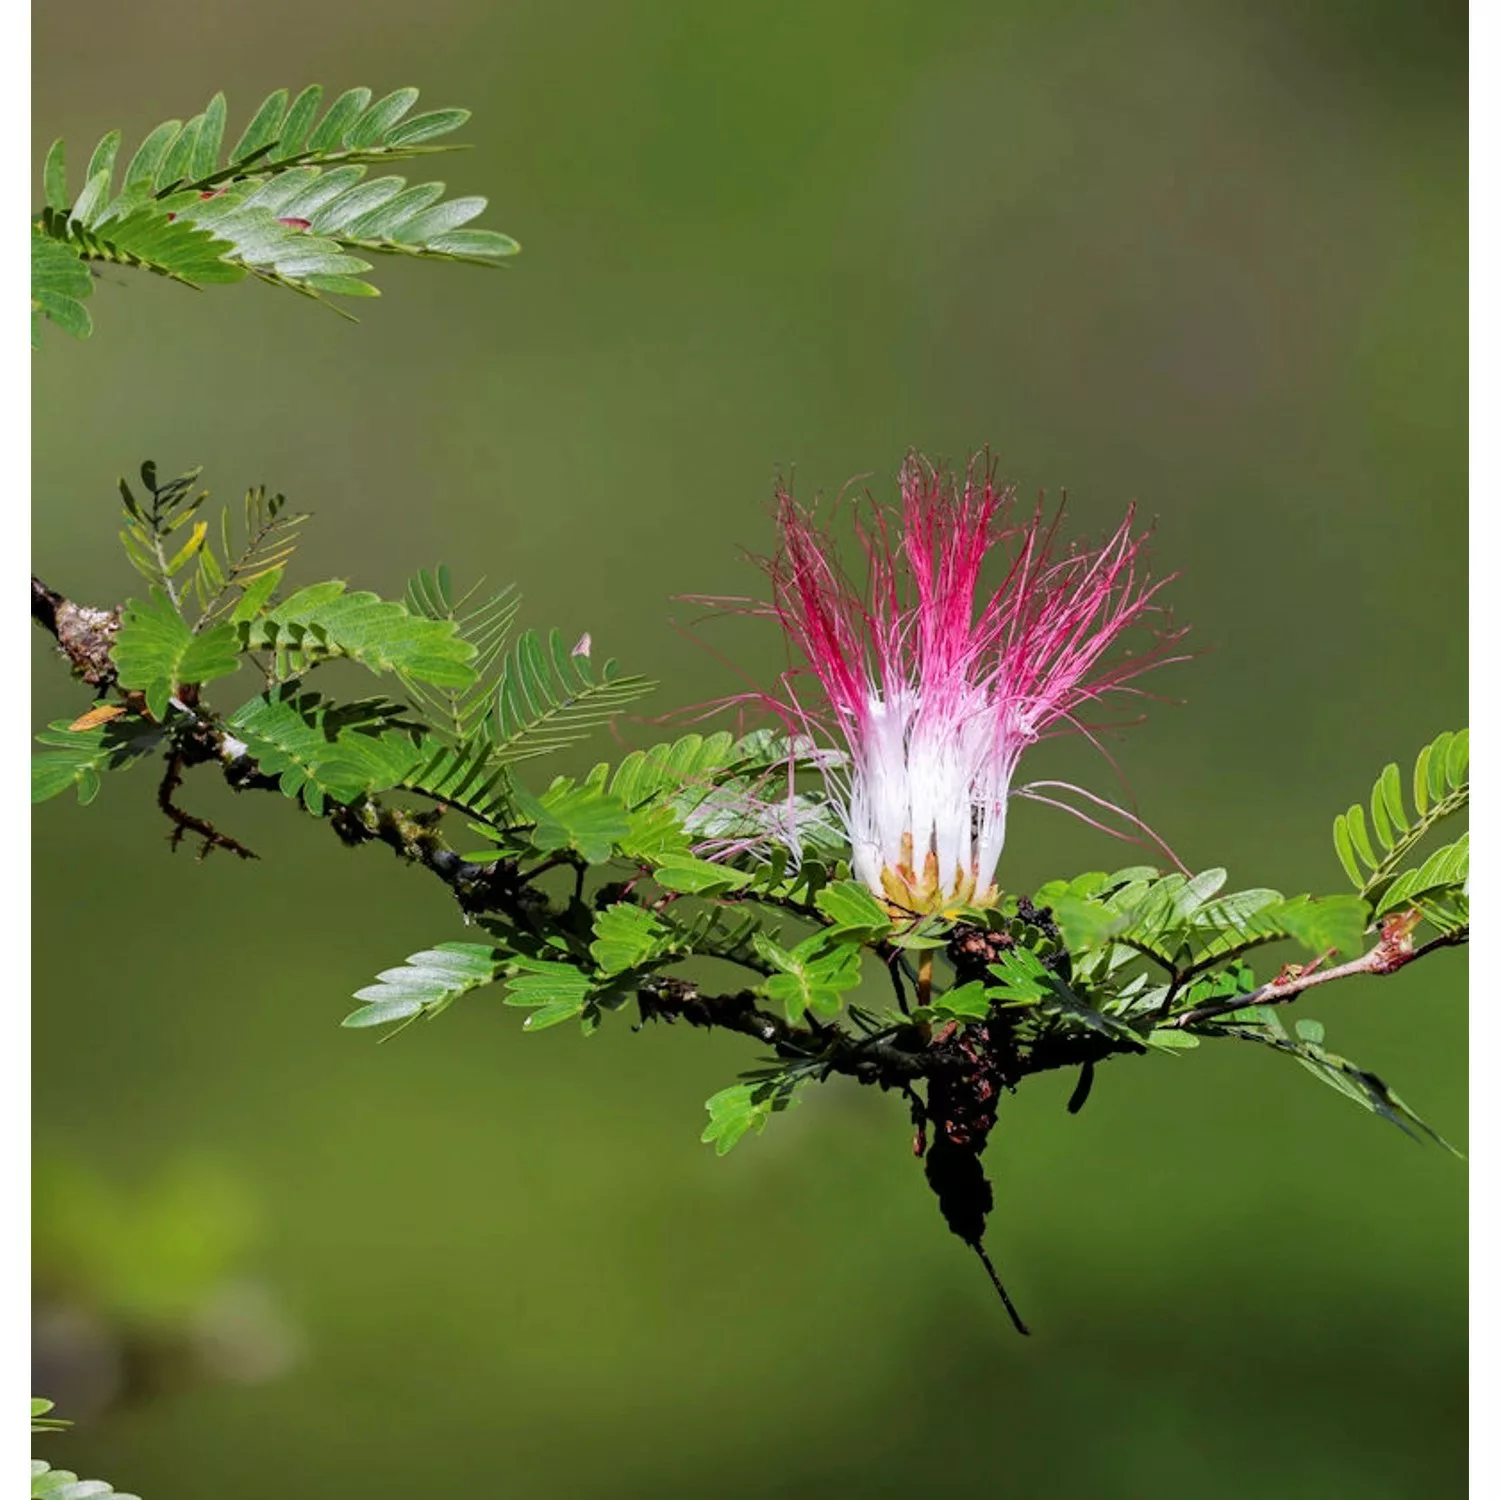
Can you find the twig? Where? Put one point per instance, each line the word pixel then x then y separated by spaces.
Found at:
pixel 184 822
pixel 1394 951
pixel 892 956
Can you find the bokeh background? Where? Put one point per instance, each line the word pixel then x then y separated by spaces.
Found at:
pixel 1209 256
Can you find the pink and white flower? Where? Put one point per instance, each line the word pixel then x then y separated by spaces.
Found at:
pixel 930 689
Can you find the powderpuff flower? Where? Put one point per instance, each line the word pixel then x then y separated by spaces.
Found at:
pixel 924 690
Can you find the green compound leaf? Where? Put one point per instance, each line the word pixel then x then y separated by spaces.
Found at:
pixel 77 758
pixel 287 205
pixel 968 1002
pixel 41 1422
pixel 60 284
pixel 519 705
pixel 556 991
pixel 48 1483
pixel 1321 923
pixel 1444 875
pixel 1176 923
pixel 1022 978
pixel 427 983
pixel 464 779
pixel 698 877
pixel 656 835
pixel 548 698
pixel 1261 1024
pixel 151 238
pixel 813 976
pixel 1440 788
pixel 324 621
pixel 326 751
pixel 630 937
pixel 278 138
pixel 460 713
pixel 735 1111
pixel 1022 981
pixel 568 816
pixel 156 653
pixel 691 764
pixel 853 911
pixel 55 177
pixel 281 250
pixel 381 216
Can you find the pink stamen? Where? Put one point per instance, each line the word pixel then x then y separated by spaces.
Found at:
pixel 932 688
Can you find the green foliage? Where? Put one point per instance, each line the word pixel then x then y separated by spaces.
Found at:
pixel 48 1483
pixel 517 705
pixel 460 712
pixel 699 877
pixel 690 765
pixel 41 1422
pixel 1438 887
pixel 60 284
pixel 324 751
pixel 488 709
pixel 1325 924
pixel 584 819
pixel 76 758
pixel 630 937
pixel 1186 926
pixel 235 580
pixel 252 566
pixel 627 943
pixel 555 992
pixel 149 535
pixel 548 698
pixel 963 1003
pixel 157 653
pixel 1025 980
pixel 854 912
pixel 464 779
pixel 813 976
pixel 426 984
pixel 287 203
pixel 741 1108
pixel 324 621
pixel 1261 1024
pixel 1375 852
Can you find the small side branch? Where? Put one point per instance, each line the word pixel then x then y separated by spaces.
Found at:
pixel 184 822
pixel 1394 951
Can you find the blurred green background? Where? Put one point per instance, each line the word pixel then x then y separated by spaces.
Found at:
pixel 1207 255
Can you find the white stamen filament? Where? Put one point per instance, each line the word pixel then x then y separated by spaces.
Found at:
pixel 931 787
